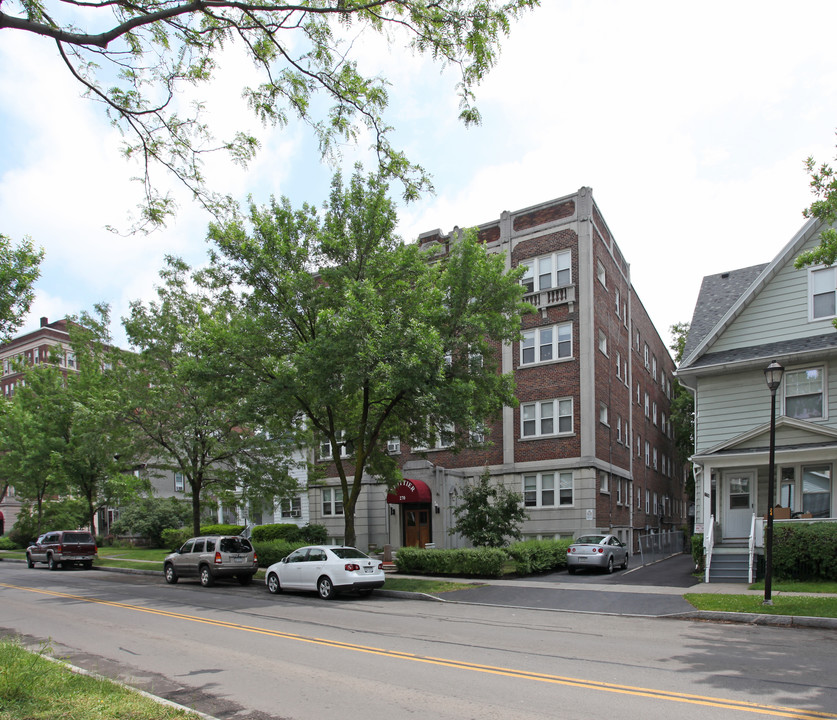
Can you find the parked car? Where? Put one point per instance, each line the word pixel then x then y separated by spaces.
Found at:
pixel 63 548
pixel 603 552
pixel 212 557
pixel 326 569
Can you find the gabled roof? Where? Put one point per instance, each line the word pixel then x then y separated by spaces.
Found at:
pixel 723 297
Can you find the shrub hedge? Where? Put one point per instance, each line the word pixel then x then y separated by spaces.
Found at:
pixel 697 552
pixel 305 535
pixel 805 551
pixel 475 562
pixel 271 551
pixel 537 556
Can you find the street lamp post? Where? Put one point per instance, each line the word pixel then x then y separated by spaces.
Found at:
pixel 773 377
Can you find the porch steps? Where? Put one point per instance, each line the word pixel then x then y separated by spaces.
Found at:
pixel 730 564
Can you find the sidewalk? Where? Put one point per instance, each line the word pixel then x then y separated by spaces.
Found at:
pixel 651 591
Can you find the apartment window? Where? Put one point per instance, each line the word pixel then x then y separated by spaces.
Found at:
pixel 626 373
pixel 654 367
pixel 654 460
pixel 638 446
pixel 332 501
pixel 647 501
pixel 646 356
pixel 647 405
pixel 477 435
pixel 618 491
pixel 619 429
pixel 565 488
pixel 394 446
pixel 291 507
pixel 539 490
pixel 602 342
pixel 639 499
pixel 600 273
pixel 654 413
pixel 603 413
pixel 804 393
pixel 618 365
pixel 822 289
pixel 342 443
pixel 816 490
pixel 618 298
pixel 442 438
pixel 656 506
pixel 627 435
pixel 604 482
pixel 638 394
pixel 547 271
pixel 647 453
pixel 548 417
pixel 546 343
pixel 179 485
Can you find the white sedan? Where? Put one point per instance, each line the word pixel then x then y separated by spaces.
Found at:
pixel 327 569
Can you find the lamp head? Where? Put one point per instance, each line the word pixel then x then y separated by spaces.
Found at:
pixel 773 375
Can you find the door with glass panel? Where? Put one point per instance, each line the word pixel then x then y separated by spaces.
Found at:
pixel 738 503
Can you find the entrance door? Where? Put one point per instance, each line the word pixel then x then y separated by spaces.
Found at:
pixel 738 504
pixel 416 522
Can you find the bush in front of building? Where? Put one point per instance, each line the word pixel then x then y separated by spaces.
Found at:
pixel 474 562
pixel 272 551
pixel 697 552
pixel 67 514
pixel 305 535
pixel 7 543
pixel 805 551
pixel 148 517
pixel 221 529
pixel 537 556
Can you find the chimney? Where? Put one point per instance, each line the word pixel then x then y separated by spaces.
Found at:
pixel 44 321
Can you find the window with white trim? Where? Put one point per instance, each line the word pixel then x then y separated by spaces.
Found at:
pixel 647 405
pixel 539 490
pixel 603 413
pixel 547 271
pixel 654 367
pixel 332 501
pixel 654 460
pixel 291 507
pixel 342 443
pixel 618 298
pixel 822 293
pixel 805 393
pixel 646 356
pixel 600 273
pixel 546 417
pixel 604 482
pixel 179 484
pixel 647 501
pixel 546 343
pixel 647 453
pixel 619 429
pixel 618 365
pixel 602 342
pixel 618 491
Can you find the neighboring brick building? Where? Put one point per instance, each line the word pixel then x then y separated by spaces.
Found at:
pixel 590 444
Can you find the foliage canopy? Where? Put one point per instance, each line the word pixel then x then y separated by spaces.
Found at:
pixel 135 57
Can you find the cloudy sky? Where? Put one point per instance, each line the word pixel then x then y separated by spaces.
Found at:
pixel 690 121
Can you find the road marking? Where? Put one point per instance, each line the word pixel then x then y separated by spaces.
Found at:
pixel 708 701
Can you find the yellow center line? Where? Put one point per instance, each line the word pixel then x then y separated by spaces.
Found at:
pixel 772 710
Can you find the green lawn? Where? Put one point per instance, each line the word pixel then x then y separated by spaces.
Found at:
pixel 796 605
pixel 34 688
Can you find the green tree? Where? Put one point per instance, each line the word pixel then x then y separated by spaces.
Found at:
pixel 34 424
pixel 383 341
pixel 682 408
pixel 823 208
pixel 134 58
pixel 489 515
pixel 148 517
pixel 185 424
pixel 20 267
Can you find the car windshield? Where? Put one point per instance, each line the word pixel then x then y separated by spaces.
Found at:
pixel 590 540
pixel 346 553
pixel 235 545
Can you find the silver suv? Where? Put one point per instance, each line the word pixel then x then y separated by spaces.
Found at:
pixel 211 557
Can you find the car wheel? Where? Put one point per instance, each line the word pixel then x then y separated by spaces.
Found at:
pixel 571 570
pixel 625 564
pixel 170 573
pixel 206 576
pixel 325 588
pixel 273 584
pixel 244 579
pixel 30 563
pixel 610 564
pixel 51 564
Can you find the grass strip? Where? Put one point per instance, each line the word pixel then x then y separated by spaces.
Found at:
pixel 430 587
pixel 34 688
pixel 795 605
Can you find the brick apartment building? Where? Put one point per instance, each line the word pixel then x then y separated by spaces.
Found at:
pixel 590 445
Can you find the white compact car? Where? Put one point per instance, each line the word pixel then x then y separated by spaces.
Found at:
pixel 326 569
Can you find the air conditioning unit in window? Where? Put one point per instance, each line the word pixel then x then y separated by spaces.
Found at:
pixel 394 446
pixel 296 513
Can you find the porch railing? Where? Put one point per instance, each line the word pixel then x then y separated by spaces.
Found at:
pixel 751 552
pixel 708 545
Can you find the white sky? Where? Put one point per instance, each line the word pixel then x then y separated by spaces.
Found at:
pixel 691 122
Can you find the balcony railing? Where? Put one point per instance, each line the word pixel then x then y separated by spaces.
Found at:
pixel 551 297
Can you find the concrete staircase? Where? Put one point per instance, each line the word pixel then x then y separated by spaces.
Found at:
pixel 730 564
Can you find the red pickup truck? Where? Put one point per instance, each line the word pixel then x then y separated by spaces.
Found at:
pixel 63 548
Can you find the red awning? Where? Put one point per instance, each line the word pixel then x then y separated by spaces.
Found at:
pixel 410 491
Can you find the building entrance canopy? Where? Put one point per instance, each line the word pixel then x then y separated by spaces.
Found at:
pixel 410 491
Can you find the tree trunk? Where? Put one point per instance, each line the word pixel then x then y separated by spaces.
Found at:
pixel 196 506
pixel 349 536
